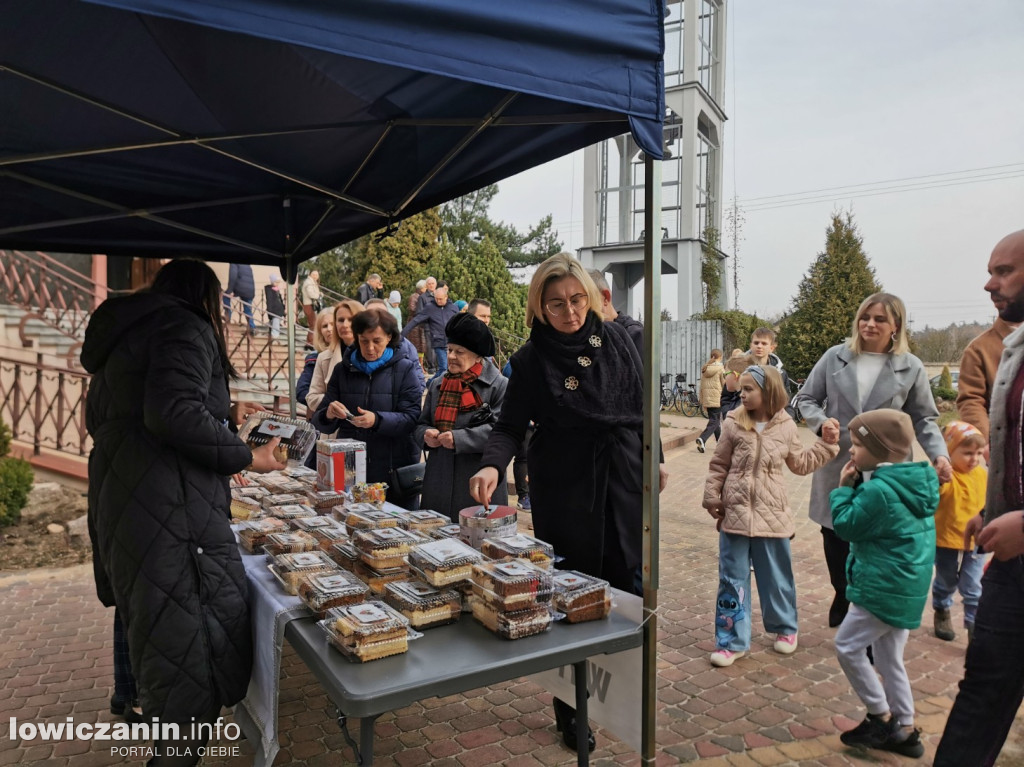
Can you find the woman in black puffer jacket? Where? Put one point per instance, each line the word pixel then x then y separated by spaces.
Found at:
pixel 374 395
pixel 163 549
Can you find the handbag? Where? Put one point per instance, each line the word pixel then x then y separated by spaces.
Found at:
pixel 408 480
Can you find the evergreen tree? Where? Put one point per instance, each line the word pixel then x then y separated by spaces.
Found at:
pixel 827 298
pixel 400 258
pixel 467 220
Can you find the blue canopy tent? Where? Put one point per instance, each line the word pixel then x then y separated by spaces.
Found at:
pixel 268 131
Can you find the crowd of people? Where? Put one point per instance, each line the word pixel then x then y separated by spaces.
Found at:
pixel 895 532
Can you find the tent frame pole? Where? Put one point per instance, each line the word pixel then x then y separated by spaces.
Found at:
pixel 652 452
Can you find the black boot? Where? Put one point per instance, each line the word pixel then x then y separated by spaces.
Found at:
pixel 126 710
pixel 565 721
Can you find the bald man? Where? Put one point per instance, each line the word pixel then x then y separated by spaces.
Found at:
pixel 993 684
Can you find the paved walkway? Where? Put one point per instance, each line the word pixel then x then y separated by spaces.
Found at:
pixel 55 661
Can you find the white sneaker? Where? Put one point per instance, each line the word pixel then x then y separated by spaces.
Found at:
pixel 785 644
pixel 700 445
pixel 722 658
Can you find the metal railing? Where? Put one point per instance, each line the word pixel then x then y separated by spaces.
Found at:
pixel 44 404
pixel 49 292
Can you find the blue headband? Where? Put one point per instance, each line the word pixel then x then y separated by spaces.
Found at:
pixel 757 373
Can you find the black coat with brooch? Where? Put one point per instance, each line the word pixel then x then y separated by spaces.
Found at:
pixel 446 478
pixel 585 469
pixel 393 392
pixel 163 549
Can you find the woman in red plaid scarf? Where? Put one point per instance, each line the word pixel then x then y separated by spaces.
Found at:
pixel 456 418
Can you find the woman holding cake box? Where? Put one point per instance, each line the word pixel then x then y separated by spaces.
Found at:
pixel 457 416
pixel 163 448
pixel 374 396
pixel 579 379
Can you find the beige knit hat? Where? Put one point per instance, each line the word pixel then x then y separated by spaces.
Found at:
pixel 887 434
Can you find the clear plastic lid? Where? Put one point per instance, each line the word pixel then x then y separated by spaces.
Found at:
pixel 312 523
pixel 249 491
pixel 326 499
pixel 289 569
pixel 387 542
pixel 245 508
pixel 293 486
pixel 377 579
pixel 289 542
pixel 514 600
pixel 297 435
pixel 291 511
pixel 253 533
pixel 344 553
pixel 300 472
pixel 445 553
pixel 422 604
pixel 368 630
pixel 448 531
pixel 369 519
pixel 511 577
pixel 513 625
pixel 521 547
pixel 322 591
pixel 283 499
pixel 581 597
pixel 423 519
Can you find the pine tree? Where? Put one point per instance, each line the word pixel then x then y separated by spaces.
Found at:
pixel 827 298
pixel 400 258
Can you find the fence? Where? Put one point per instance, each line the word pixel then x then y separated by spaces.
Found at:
pixel 687 344
pixel 44 404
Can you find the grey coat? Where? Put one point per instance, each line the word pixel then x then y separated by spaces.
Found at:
pixel 831 392
pixel 1009 367
pixel 446 480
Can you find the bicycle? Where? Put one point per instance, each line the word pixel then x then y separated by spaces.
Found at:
pixel 668 393
pixel 690 403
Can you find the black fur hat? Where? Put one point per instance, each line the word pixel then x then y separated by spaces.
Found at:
pixel 466 330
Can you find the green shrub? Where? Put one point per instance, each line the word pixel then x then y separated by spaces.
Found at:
pixel 15 484
pixel 940 392
pixel 5 439
pixel 946 379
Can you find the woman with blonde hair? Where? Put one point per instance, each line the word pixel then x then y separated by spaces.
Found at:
pixel 579 379
pixel 873 369
pixel 341 338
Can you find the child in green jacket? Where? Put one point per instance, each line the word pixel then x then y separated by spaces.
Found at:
pixel 885 507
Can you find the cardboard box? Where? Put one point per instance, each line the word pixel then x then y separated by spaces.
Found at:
pixel 340 464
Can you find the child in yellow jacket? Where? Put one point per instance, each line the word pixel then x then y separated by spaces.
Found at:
pixel 957 566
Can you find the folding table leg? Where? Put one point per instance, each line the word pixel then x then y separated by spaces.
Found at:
pixel 582 722
pixel 363 750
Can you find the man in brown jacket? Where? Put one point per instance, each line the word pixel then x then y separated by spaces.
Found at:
pixel 978 372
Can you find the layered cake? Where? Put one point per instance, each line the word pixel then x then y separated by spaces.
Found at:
pixel 377 580
pixel 290 569
pixel 367 631
pixel 511 584
pixel 322 591
pixel 424 605
pixel 291 511
pixel 251 535
pixel 581 597
pixel 444 561
pixel 423 520
pixel 387 547
pixel 282 499
pixel 363 516
pixel 513 625
pixel 326 530
pixel 344 553
pixel 521 547
pixel 245 508
pixel 289 543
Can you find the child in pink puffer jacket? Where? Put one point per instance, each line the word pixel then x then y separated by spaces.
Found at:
pixel 745 492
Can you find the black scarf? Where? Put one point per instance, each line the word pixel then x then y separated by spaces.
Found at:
pixel 591 372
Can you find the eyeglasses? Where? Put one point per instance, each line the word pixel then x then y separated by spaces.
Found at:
pixel 578 303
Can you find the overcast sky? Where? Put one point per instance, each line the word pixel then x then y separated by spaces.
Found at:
pixel 822 95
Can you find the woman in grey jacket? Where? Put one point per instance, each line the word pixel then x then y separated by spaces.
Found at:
pixel 873 370
pixel 457 416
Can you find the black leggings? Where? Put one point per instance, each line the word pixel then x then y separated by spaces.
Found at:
pixel 836 553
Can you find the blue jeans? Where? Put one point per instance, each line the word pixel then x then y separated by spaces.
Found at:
pixel 773 569
pixel 961 571
pixel 993 683
pixel 442 361
pixel 246 308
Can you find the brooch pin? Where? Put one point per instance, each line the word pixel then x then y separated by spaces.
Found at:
pixel 595 341
pixel 572 383
pixel 584 361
